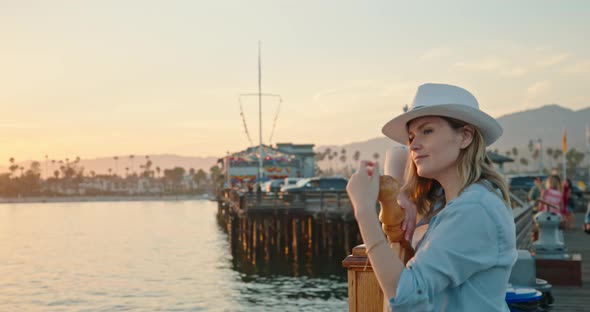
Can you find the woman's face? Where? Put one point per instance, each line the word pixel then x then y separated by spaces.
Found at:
pixel 434 146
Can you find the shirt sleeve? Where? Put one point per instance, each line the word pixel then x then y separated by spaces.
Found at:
pixel 463 242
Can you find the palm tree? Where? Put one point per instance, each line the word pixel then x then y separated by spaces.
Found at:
pixel 343 160
pixel 126 172
pixel 550 154
pixel 131 158
pixel 13 167
pixel 110 170
pixel 334 156
pixel 376 156
pixel 158 171
pixel 46 172
pixel 191 173
pixel 556 154
pixel 116 158
pixel 524 161
pixel 356 157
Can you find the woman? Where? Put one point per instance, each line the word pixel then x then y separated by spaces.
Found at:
pixel 464 260
pixel 551 195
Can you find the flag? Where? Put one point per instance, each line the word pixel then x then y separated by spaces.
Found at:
pixel 564 142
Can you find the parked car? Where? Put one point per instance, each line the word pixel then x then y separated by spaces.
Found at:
pixel 580 201
pixel 289 182
pixel 317 184
pixel 523 182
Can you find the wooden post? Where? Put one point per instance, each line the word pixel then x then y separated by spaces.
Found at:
pixel 294 247
pixel 364 292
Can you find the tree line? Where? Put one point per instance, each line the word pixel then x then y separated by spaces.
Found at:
pixel 526 160
pixel 71 175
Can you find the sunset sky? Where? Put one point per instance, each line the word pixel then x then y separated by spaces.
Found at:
pixel 102 78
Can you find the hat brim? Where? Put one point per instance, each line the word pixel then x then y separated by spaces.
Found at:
pixel 396 129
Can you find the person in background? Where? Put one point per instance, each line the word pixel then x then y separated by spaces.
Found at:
pixel 587 220
pixel 463 198
pixel 551 200
pixel 551 195
pixel 535 193
pixel 567 210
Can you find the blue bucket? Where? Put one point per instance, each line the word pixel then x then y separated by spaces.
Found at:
pixel 522 299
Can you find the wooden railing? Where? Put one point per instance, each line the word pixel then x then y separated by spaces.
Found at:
pixel 364 293
pixel 331 204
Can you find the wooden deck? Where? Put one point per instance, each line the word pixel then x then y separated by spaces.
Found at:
pixel 573 299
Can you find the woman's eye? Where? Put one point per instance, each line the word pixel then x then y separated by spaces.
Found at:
pixel 427 131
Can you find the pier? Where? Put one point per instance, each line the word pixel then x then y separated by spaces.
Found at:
pixel 575 299
pixel 267 229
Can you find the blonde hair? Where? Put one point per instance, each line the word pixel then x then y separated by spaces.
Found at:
pixel 554 182
pixel 473 165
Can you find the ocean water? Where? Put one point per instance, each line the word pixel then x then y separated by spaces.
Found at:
pixel 146 256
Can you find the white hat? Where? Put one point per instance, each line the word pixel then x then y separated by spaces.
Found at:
pixel 434 99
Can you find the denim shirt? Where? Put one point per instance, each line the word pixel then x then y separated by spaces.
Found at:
pixel 464 260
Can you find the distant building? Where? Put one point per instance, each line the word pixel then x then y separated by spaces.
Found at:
pixel 284 160
pixel 304 153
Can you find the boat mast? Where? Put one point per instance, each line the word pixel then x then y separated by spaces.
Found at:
pixel 260 173
pixel 260 156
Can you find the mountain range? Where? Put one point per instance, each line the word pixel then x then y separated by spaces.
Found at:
pixel 546 123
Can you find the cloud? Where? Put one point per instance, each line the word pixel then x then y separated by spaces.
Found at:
pixel 543 48
pixel 394 88
pixel 581 67
pixel 538 88
pixel 516 72
pixel 534 91
pixel 436 53
pixel 553 60
pixel 352 88
pixel 488 64
pixel 524 62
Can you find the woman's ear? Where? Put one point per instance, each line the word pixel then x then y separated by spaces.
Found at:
pixel 467 133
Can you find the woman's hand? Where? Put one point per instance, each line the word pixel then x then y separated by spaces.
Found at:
pixel 363 189
pixel 411 211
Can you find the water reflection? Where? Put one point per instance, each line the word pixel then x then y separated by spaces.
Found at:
pixel 290 261
pixel 148 256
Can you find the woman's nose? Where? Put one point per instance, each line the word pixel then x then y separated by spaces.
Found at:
pixel 415 145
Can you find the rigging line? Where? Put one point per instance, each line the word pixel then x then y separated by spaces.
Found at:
pixel 274 123
pixel 244 121
pixel 244 116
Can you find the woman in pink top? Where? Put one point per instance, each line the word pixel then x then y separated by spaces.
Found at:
pixel 551 195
